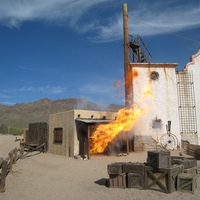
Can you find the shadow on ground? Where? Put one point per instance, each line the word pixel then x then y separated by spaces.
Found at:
pixel 103 182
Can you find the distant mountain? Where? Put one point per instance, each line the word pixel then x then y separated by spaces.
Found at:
pixel 21 114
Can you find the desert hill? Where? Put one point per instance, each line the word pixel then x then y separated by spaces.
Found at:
pixel 21 114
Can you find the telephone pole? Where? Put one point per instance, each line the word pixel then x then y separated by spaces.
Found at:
pixel 127 70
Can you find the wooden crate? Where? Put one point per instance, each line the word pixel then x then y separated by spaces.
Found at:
pixel 135 181
pixel 192 170
pixel 158 159
pixel 187 182
pixel 186 162
pixel 115 168
pixel 134 167
pixel 163 179
pixel 117 180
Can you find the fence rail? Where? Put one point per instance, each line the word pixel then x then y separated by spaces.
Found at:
pixel 7 164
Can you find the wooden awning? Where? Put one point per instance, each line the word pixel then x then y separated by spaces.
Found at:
pixel 95 121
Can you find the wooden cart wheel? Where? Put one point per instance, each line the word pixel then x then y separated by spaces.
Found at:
pixel 169 141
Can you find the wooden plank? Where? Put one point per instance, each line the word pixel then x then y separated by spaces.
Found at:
pixel 15 156
pixel 3 176
pixel 38 133
pixel 1 161
pixel 21 152
pixel 88 143
pixel 11 161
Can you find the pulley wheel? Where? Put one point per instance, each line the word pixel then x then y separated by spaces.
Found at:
pixel 169 141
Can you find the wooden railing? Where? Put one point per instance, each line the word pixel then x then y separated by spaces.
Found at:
pixel 7 164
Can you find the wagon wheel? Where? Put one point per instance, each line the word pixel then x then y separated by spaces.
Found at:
pixel 169 141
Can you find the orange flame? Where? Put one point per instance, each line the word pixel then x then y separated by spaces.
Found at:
pixel 104 134
pixel 117 85
pixel 129 77
pixel 147 92
pixel 125 120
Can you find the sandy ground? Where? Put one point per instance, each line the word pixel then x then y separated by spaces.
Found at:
pixel 49 176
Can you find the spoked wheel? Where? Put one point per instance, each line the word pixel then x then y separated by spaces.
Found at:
pixel 169 141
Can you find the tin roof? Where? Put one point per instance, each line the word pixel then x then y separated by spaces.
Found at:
pixel 95 121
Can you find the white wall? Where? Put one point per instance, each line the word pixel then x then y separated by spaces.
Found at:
pixel 194 66
pixel 163 106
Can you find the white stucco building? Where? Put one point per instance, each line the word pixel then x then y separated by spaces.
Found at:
pixel 176 99
pixel 163 107
pixel 188 85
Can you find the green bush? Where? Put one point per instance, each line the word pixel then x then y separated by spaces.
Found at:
pixel 4 129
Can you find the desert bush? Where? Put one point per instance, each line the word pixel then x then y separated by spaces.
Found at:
pixel 5 129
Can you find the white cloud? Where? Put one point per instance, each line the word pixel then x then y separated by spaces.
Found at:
pixel 96 89
pixel 35 69
pixel 4 96
pixel 7 103
pixel 107 24
pixel 14 12
pixel 169 16
pixel 101 94
pixel 48 89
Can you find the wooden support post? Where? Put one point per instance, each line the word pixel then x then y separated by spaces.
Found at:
pixel 21 152
pixel 3 176
pixel 15 156
pixel 1 161
pixel 127 70
pixel 11 160
pixel 127 143
pixel 88 153
pixel 45 148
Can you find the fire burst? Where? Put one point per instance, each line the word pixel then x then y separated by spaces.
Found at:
pixel 104 134
pixel 147 92
pixel 125 120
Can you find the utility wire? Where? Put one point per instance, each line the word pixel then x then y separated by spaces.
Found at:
pixel 164 31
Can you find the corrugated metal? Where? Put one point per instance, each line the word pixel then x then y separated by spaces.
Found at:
pixel 95 121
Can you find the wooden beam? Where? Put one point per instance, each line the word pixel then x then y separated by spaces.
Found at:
pixel 127 67
pixel 127 70
pixel 88 153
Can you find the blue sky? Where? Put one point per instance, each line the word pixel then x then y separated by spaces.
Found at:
pixel 61 49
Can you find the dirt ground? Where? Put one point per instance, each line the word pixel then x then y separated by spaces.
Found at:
pixel 49 176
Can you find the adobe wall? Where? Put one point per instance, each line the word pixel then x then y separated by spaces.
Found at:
pixel 61 120
pixel 70 145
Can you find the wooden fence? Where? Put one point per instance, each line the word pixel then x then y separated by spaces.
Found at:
pixel 7 164
pixel 193 150
pixel 38 133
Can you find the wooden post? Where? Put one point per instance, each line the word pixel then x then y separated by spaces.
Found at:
pixel 21 152
pixel 88 153
pixel 127 70
pixel 11 160
pixel 15 156
pixel 3 176
pixel 1 161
